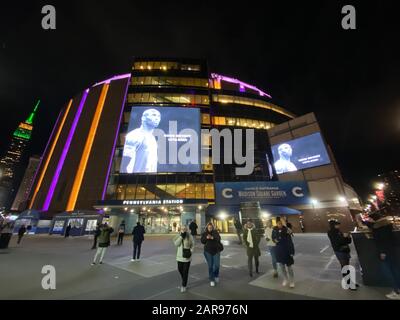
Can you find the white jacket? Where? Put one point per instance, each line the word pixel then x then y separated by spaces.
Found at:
pixel 188 243
pixel 268 235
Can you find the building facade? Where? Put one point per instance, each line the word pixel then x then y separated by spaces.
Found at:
pixel 100 155
pixel 10 163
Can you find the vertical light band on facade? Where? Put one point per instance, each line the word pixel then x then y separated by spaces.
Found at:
pixel 86 151
pixel 64 152
pixel 53 145
pixel 115 141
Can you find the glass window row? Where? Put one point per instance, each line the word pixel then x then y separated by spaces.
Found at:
pixel 169 81
pixel 165 65
pixel 250 102
pixel 168 98
pixel 242 122
pixel 161 191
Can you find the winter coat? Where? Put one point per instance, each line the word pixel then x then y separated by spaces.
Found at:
pixel 339 242
pixel 284 249
pixel 256 242
pixel 138 233
pixel 104 237
pixel 186 243
pixel 212 246
pixel 193 228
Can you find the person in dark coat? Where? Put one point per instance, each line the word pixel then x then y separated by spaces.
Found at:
pixel 193 228
pixel 252 241
pixel 96 235
pixel 104 242
pixel 340 244
pixel 239 229
pixel 21 233
pixel 138 237
pixel 382 230
pixel 284 251
pixel 212 249
pixel 121 233
pixel 67 230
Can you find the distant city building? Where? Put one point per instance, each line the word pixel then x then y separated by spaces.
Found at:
pixel 21 200
pixel 11 160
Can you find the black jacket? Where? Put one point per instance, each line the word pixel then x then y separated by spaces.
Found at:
pixel 256 242
pixel 284 248
pixel 212 246
pixel 138 233
pixel 193 228
pixel 384 238
pixel 21 231
pixel 338 241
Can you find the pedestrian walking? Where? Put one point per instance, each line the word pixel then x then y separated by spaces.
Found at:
pixel 138 237
pixel 193 228
pixel 252 241
pixel 271 247
pixel 382 230
pixel 284 250
pixel 185 245
pixel 121 233
pixel 212 250
pixel 67 231
pixel 21 232
pixel 103 243
pixel 239 229
pixel 340 244
pixel 96 235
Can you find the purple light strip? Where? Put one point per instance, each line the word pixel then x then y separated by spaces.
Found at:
pixel 241 83
pixel 115 143
pixel 122 76
pixel 44 152
pixel 64 153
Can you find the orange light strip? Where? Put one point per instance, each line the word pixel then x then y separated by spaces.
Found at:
pixel 86 151
pixel 53 145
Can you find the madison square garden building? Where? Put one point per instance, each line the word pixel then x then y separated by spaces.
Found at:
pixel 103 159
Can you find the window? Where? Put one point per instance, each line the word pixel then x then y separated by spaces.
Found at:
pixel 168 98
pixel 169 81
pixel 241 122
pixel 250 102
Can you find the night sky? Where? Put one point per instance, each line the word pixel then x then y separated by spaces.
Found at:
pixel 295 50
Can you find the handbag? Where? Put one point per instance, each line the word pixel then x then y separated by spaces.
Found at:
pixel 220 246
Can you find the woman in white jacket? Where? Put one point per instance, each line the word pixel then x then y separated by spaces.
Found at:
pixel 185 245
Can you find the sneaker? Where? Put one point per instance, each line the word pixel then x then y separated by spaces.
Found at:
pixel 212 284
pixel 284 283
pixel 133 260
pixel 101 262
pixel 275 274
pixel 291 285
pixel 93 263
pixel 216 280
pixel 183 289
pixel 393 296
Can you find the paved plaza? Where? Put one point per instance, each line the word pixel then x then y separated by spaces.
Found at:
pixel 155 277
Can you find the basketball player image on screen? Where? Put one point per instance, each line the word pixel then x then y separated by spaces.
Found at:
pixel 140 150
pixel 284 164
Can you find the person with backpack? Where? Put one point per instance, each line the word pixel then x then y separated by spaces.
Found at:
pixel 103 243
pixel 185 245
pixel 212 251
pixel 121 233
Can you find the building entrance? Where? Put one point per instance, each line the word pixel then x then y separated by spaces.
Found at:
pixel 161 223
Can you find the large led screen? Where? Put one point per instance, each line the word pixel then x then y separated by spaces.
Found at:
pixel 162 139
pixel 301 153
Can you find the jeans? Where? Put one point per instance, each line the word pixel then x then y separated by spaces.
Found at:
pixel 120 238
pixel 19 238
pixel 183 268
pixel 271 250
pixel 101 251
pixel 213 265
pixel 136 249
pixel 392 271
pixel 286 270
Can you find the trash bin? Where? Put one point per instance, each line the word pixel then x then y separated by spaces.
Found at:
pixel 5 240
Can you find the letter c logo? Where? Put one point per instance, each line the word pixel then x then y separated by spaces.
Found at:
pixel 298 192
pixel 227 193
